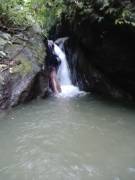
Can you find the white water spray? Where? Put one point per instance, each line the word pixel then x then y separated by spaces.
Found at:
pixel 63 72
pixel 68 89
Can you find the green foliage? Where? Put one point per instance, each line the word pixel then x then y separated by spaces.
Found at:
pixel 117 11
pixel 14 13
pixel 46 12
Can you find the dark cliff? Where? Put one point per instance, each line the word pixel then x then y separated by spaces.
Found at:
pixel 100 48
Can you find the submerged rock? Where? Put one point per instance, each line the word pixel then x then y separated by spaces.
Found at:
pixel 23 73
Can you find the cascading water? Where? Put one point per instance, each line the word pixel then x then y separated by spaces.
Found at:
pixel 63 72
pixel 68 89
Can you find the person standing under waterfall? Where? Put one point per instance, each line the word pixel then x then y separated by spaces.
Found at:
pixel 53 63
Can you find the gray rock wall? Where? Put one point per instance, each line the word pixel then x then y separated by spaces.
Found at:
pixel 23 73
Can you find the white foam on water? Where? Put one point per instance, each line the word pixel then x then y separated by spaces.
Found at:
pixel 63 72
pixel 70 91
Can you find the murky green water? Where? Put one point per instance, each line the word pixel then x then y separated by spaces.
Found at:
pixel 68 139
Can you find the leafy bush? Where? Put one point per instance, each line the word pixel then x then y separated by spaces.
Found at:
pixel 14 13
pixel 118 11
pixel 46 12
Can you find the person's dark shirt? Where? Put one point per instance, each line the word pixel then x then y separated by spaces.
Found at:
pixel 52 59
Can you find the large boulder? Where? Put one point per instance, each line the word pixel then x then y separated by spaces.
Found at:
pixel 23 73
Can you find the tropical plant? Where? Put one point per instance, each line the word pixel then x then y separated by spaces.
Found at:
pixel 14 13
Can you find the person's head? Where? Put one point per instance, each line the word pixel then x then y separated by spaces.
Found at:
pixel 50 44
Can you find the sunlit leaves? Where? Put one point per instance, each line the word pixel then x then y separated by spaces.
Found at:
pixel 46 12
pixel 25 12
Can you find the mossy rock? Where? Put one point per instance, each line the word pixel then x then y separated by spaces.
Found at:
pixel 25 59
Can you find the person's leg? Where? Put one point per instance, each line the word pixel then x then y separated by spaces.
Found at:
pixel 58 85
pixel 57 81
pixel 54 82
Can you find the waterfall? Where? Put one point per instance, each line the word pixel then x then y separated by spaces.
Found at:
pixel 63 72
pixel 64 76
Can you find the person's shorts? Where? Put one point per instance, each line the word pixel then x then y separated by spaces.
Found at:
pixel 53 68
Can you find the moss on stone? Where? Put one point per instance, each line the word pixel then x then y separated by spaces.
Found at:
pixel 38 51
pixel 24 68
pixel 41 54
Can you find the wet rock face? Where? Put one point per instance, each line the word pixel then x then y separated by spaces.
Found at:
pixel 23 73
pixel 103 61
pixel 115 57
